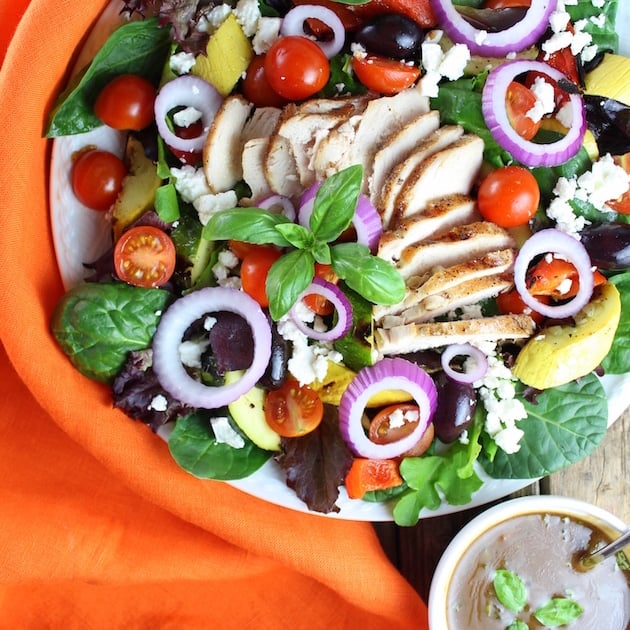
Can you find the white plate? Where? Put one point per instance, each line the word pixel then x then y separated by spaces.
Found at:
pixel 81 235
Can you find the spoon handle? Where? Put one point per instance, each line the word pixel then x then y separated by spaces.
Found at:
pixel 610 549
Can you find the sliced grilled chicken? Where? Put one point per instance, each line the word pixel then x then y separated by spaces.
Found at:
pixel 462 294
pixel 450 171
pixel 280 168
pixel 415 337
pixel 458 245
pixel 440 216
pixel 395 180
pixel 381 117
pixel 443 280
pixel 397 147
pixel 224 145
pixel 253 162
pixel 261 123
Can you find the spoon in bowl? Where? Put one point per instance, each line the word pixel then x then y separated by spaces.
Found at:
pixel 588 561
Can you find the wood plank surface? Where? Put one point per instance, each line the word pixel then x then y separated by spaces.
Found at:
pixel 602 479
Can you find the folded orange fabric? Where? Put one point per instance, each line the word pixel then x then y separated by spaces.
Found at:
pixel 100 528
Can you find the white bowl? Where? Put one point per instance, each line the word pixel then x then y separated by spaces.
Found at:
pixel 543 504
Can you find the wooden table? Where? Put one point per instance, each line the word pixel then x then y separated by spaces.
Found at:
pixel 603 478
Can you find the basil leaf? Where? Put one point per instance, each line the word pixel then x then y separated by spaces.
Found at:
pixel 371 277
pixel 139 47
pixel 510 590
pixel 335 203
pixel 286 280
pixel 296 235
pixel 565 425
pixel 559 611
pixel 194 447
pixel 251 225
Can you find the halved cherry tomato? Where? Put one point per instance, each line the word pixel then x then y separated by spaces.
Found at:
pixel 508 196
pixel 126 103
pixel 241 249
pixel 519 100
pixel 366 475
pixel 622 205
pixel 511 302
pixel 318 304
pixel 144 256
pixel 381 430
pixel 97 178
pixel 556 278
pixel 384 75
pixel 254 270
pixel 296 67
pixel 293 409
pixel 256 88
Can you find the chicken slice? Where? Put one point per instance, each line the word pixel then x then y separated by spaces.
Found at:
pixel 444 279
pixel 261 123
pixel 458 245
pixel 460 295
pixel 397 147
pixel 450 171
pixel 223 148
pixel 358 141
pixel 415 337
pixel 440 216
pixel 395 180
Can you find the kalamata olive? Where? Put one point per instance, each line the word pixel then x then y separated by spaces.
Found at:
pixel 277 369
pixel 455 407
pixel 608 245
pixel 391 35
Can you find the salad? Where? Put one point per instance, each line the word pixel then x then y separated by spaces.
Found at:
pixel 384 245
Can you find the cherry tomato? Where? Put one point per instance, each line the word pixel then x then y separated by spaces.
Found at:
pixel 622 205
pixel 241 249
pixel 511 302
pixel 293 409
pixel 508 196
pixel 126 103
pixel 384 75
pixel 556 278
pixel 317 303
pixel 97 178
pixel 256 87
pixel 519 100
pixel 380 431
pixel 192 131
pixel 296 67
pixel 254 270
pixel 144 256
pixel 507 4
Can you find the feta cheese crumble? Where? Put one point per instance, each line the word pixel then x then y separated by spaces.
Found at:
pixel 438 64
pixel 225 434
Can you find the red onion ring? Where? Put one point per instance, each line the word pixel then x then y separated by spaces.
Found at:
pixel 341 304
pixel 386 374
pixel 167 364
pixel 274 201
pixel 366 220
pixel 186 91
pixel 513 39
pixel 293 24
pixel 466 349
pixel 557 242
pixel 496 117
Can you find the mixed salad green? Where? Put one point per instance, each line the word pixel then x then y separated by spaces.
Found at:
pixel 107 326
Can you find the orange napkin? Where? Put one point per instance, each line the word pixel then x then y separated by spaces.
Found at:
pixel 100 529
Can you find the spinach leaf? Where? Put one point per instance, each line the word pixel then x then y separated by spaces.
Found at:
pixel 510 590
pixel 459 103
pixel 97 325
pixel 617 361
pixel 565 425
pixel 603 33
pixel 138 47
pixel 195 448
